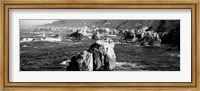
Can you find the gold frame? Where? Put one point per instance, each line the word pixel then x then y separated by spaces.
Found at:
pixel 183 86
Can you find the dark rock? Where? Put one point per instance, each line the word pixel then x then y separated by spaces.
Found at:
pixel 104 58
pixel 77 35
pixel 81 62
pixel 96 36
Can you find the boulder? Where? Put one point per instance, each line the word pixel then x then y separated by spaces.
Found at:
pixel 81 62
pixel 104 58
pixel 77 35
pixel 150 38
pixel 96 36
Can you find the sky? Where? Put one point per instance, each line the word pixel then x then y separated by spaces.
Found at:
pixel 30 23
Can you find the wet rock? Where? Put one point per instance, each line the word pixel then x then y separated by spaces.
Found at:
pixel 103 55
pixel 81 62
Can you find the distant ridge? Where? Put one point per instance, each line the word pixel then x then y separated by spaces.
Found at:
pixel 66 25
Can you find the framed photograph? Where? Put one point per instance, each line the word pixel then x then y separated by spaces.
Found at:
pixel 100 45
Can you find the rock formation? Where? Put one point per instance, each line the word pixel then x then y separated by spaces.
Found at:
pixel 100 57
pixel 96 36
pixel 150 38
pixel 81 62
pixel 77 35
pixel 103 55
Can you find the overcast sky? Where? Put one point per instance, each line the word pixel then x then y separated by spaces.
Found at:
pixel 30 23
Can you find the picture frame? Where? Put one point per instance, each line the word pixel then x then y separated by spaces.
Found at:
pixel 111 86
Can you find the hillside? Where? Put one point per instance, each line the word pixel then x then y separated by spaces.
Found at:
pixel 73 25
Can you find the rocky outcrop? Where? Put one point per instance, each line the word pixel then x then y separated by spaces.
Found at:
pixel 77 35
pixel 150 38
pixel 99 57
pixel 96 36
pixel 81 62
pixel 103 55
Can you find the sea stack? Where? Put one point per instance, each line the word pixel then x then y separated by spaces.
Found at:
pixel 104 58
